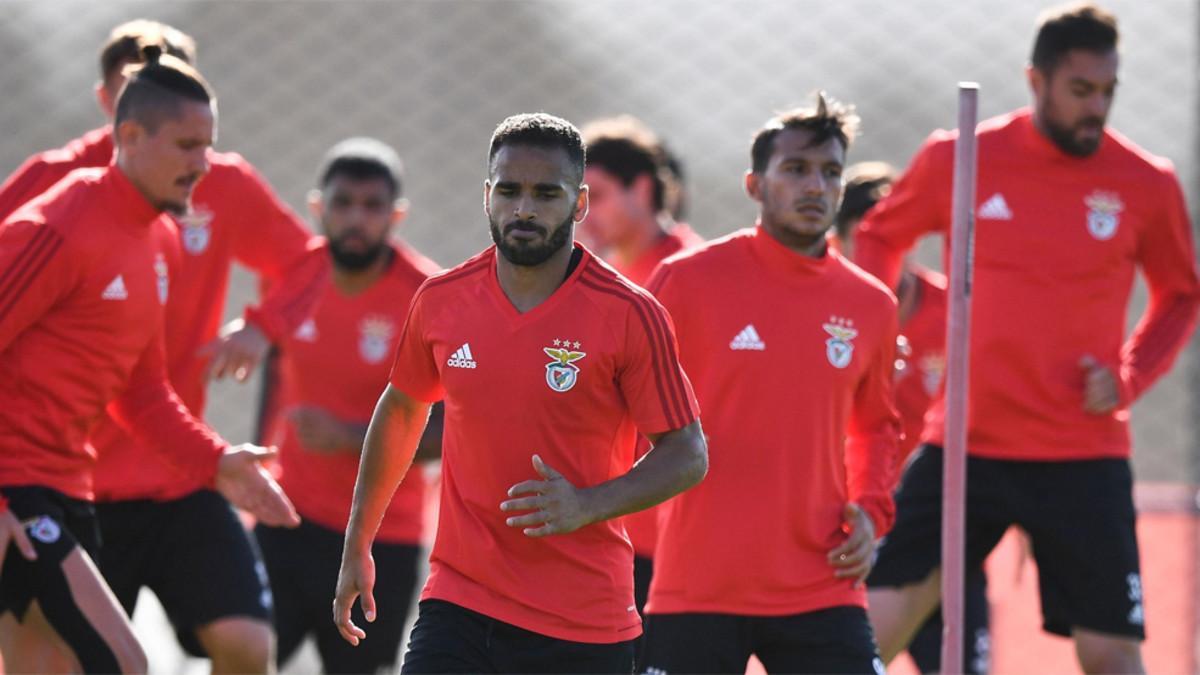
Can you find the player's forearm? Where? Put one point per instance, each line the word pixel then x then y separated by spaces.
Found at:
pixel 1157 340
pixel 678 461
pixel 388 449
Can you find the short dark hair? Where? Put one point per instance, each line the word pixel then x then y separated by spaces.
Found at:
pixel 540 130
pixel 827 119
pixel 866 184
pixel 156 88
pixel 1076 26
pixel 363 158
pixel 125 42
pixel 626 148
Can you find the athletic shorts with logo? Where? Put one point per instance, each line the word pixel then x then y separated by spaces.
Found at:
pixel 192 552
pixel 1080 519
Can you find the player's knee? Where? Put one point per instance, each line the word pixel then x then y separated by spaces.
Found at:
pixel 1108 654
pixel 238 645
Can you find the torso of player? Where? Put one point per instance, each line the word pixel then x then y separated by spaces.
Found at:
pixel 84 348
pixel 1056 247
pixel 547 381
pixel 339 360
pixel 776 345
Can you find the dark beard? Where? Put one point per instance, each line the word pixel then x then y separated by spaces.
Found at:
pixel 355 261
pixel 1064 137
pixel 532 255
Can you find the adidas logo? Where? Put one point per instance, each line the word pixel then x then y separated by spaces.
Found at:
pixel 115 290
pixel 748 339
pixel 995 208
pixel 462 358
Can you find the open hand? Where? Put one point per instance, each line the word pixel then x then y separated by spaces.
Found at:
pixel 237 351
pixel 855 557
pixel 557 506
pixel 246 483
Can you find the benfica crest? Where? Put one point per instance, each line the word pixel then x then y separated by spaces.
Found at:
pixel 375 334
pixel 164 280
pixel 1104 214
pixel 562 373
pixel 196 230
pixel 838 347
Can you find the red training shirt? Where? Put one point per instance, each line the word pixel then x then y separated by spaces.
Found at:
pixel 573 380
pixel 793 360
pixel 235 216
pixel 338 360
pixel 919 381
pixel 1057 242
pixel 85 271
pixel 642 526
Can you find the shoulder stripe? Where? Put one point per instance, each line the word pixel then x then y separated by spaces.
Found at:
pixel 38 251
pixel 663 333
pixel 460 273
pixel 671 389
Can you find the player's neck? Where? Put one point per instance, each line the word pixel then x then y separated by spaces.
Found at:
pixel 528 286
pixel 352 282
pixel 645 238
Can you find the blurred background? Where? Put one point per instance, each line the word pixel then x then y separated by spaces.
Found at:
pixel 433 78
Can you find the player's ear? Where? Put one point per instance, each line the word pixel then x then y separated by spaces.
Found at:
pixel 316 205
pixel 1037 80
pixel 487 198
pixel 128 133
pixel 753 184
pixel 399 211
pixel 581 204
pixel 104 100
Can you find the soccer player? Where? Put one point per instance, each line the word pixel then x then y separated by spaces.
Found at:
pixel 1068 211
pixel 921 365
pixel 88 267
pixel 549 364
pixel 791 350
pixel 333 368
pixel 209 579
pixel 628 184
pixel 628 187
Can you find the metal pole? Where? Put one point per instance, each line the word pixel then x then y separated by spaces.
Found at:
pixel 958 332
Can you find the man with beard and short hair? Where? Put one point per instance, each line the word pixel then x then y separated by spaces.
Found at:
pixel 331 371
pixel 1068 211
pixel 544 356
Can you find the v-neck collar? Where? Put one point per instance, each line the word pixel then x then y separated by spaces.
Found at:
pixel 517 318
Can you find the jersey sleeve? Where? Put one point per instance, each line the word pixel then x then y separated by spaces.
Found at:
pixel 150 410
pixel 36 175
pixel 658 392
pixel 36 272
pixel 295 297
pixel 1168 261
pixel 415 370
pixel 270 237
pixel 873 436
pixel 918 204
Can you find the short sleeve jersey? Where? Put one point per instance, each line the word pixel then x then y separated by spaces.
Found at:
pixel 572 380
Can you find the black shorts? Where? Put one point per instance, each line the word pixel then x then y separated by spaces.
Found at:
pixel 833 640
pixel 192 552
pixel 452 639
pixel 926 646
pixel 56 524
pixel 1080 519
pixel 303 566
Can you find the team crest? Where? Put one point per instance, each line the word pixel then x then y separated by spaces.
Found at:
pixel 375 335
pixel 562 373
pixel 838 347
pixel 1104 214
pixel 196 230
pixel 164 279
pixel 44 529
pixel 933 367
